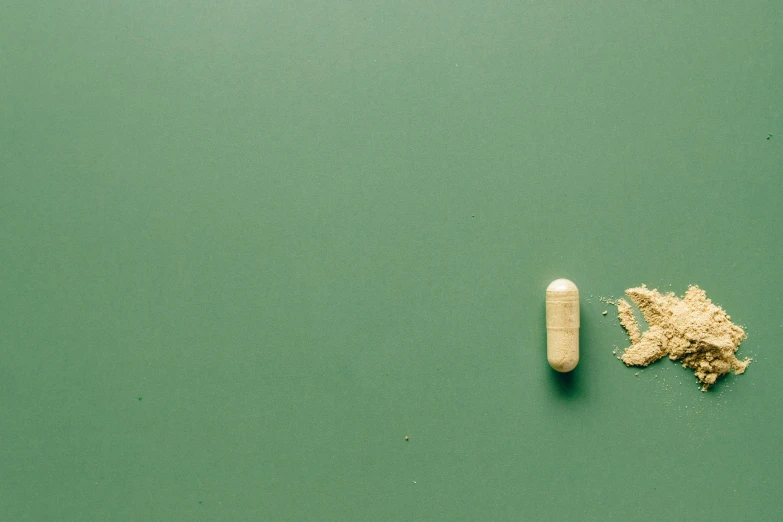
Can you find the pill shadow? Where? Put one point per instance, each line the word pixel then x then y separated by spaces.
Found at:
pixel 566 385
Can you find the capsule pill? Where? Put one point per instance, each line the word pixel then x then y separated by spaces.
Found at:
pixel 562 325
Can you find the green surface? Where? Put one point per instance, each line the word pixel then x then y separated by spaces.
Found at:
pixel 248 247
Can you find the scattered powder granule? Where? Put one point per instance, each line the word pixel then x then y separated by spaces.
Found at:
pixel 689 329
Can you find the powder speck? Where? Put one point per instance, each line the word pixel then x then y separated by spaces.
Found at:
pixel 689 329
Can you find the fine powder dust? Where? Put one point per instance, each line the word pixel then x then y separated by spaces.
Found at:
pixel 689 329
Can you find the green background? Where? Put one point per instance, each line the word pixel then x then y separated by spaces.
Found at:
pixel 247 247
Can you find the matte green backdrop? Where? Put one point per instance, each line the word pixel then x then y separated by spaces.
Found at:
pixel 247 247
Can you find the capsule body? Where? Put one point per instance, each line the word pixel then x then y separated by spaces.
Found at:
pixel 562 325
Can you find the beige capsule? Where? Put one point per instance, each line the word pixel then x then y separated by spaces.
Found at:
pixel 562 325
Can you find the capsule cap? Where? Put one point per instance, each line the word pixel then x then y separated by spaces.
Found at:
pixel 562 286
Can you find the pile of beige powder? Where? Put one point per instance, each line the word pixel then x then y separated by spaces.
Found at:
pixel 689 329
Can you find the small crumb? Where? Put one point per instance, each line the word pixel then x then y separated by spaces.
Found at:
pixel 406 437
pixel 637 374
pixel 604 312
